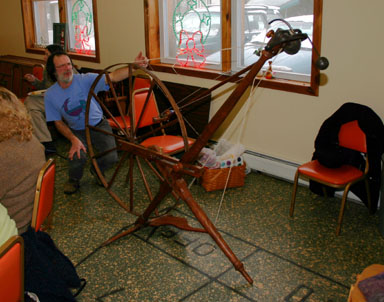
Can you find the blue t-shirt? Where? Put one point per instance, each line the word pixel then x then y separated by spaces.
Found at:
pixel 70 103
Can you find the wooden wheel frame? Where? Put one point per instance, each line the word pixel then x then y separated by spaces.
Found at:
pixel 129 136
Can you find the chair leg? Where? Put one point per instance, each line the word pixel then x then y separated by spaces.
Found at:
pixel 324 191
pixel 47 225
pixel 342 208
pixel 368 196
pixel 292 208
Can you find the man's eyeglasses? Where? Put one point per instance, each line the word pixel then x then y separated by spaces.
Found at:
pixel 62 66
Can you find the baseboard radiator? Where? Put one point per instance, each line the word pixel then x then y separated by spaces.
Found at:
pixel 281 169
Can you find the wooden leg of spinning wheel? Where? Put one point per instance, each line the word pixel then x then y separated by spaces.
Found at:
pixel 186 195
pixel 125 233
pixel 143 219
pixel 179 222
pixel 163 191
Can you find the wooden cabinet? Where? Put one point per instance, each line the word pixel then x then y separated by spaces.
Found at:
pixel 12 71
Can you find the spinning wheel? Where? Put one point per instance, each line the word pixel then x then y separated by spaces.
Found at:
pixel 140 162
pixel 144 160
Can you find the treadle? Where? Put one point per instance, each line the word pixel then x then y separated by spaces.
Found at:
pixel 178 222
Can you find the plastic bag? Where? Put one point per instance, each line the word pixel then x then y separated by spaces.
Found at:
pixel 224 155
pixel 208 158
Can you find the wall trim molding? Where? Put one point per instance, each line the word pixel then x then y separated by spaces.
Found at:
pixel 273 166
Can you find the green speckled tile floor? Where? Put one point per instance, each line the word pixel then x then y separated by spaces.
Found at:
pixel 289 259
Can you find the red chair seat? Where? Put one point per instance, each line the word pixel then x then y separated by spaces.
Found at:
pixel 335 176
pixel 167 143
pixel 120 121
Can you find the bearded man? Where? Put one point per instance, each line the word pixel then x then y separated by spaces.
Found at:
pixel 65 105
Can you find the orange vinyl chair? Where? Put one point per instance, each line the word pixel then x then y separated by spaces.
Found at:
pixel 120 120
pixel 141 81
pixel 169 144
pixel 37 71
pixel 351 137
pixel 42 209
pixel 12 270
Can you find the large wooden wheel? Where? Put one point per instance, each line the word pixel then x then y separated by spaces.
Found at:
pixel 134 171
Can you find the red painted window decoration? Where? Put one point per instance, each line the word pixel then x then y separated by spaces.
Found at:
pixel 82 21
pixel 191 26
pixel 191 49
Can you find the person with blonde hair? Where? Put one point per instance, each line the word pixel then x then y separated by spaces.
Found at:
pixel 21 158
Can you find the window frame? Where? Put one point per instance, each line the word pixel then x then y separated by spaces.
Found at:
pixel 30 35
pixel 152 44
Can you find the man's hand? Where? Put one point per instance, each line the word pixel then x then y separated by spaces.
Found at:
pixel 123 73
pixel 141 60
pixel 30 77
pixel 76 144
pixel 76 147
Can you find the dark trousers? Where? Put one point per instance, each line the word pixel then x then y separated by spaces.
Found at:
pixel 100 143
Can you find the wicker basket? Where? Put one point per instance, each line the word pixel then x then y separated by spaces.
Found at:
pixel 215 179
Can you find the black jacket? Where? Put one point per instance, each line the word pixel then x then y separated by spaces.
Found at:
pixel 330 154
pixel 48 272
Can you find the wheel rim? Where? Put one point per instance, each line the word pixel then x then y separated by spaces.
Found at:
pixel 134 174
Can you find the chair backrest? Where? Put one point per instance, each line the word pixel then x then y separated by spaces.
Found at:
pixel 12 270
pixel 44 194
pixel 38 71
pixel 352 137
pixel 120 90
pixel 141 80
pixel 141 83
pixel 142 114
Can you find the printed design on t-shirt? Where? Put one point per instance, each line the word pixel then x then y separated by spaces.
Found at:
pixel 75 111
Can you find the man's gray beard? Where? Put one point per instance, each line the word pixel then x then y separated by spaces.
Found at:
pixel 65 79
